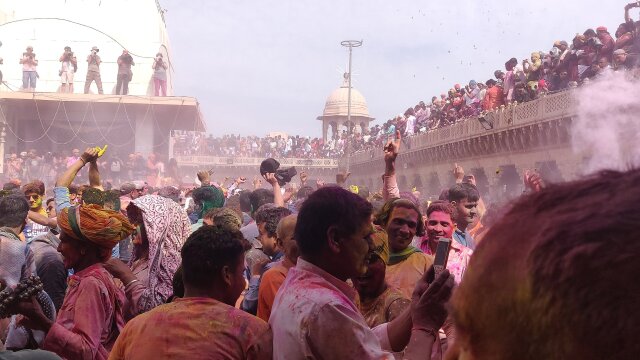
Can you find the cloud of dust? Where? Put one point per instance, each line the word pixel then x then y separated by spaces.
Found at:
pixel 607 129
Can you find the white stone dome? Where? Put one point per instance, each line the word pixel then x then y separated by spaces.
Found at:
pixel 337 103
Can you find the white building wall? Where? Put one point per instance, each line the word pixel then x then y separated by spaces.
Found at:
pixel 112 25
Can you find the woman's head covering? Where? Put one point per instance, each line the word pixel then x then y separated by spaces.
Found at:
pixel 167 227
pixel 93 224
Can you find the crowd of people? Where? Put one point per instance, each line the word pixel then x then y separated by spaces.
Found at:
pixel 139 269
pixel 277 146
pixel 31 165
pixel 69 66
pixel 588 57
pixel 331 271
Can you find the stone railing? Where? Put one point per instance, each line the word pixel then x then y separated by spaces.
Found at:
pixel 231 161
pixel 549 107
pixel 545 109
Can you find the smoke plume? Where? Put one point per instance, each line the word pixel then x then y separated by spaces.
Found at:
pixel 606 131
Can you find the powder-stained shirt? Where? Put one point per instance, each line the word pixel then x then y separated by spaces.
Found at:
pixel 90 318
pixel 405 275
pixel 459 256
pixel 314 317
pixel 16 259
pixel 50 267
pixel 194 328
pixel 384 308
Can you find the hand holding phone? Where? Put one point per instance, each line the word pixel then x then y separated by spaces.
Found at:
pixel 442 255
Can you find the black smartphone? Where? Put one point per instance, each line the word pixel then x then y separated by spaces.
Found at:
pixel 442 255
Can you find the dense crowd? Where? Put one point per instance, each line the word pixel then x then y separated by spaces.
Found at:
pixel 588 57
pixel 30 165
pixel 277 146
pixel 211 271
pixel 146 270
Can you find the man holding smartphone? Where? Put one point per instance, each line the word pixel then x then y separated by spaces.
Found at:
pixel 440 224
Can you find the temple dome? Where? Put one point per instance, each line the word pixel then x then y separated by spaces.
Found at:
pixel 337 103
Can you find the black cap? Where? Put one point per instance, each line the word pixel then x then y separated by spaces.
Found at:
pixel 269 165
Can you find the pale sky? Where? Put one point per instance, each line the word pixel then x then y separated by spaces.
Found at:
pixel 268 65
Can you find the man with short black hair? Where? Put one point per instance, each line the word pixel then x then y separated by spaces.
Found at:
pixel 257 198
pixel 314 314
pixel 464 197
pixel 15 256
pixel 34 193
pixel 203 324
pixel 267 221
pixel 273 278
pixel 402 221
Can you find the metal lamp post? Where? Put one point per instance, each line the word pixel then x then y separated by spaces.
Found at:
pixel 349 44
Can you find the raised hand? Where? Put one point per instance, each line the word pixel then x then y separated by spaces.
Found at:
pixel 533 181
pixel 271 178
pixel 392 148
pixel 204 177
pixel 89 155
pixel 458 173
pixel 303 178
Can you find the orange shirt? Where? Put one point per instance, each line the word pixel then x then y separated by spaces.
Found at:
pixel 194 328
pixel 269 285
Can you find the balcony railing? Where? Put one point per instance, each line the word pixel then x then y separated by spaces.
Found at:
pixel 221 161
pixel 548 107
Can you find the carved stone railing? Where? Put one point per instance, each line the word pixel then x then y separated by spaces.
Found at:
pixel 520 127
pixel 231 161
pixel 475 139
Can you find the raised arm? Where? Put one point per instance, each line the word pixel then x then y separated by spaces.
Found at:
pixel 42 219
pixel 390 184
pixel 627 17
pixel 70 174
pixel 94 175
pixel 278 200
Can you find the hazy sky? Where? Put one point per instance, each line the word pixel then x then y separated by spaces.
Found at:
pixel 264 65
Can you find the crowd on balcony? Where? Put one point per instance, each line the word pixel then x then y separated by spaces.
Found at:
pixel 276 146
pixel 587 57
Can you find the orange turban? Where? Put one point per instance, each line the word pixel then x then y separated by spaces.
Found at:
pixel 102 227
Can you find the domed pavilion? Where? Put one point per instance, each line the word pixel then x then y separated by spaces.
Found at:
pixel 335 114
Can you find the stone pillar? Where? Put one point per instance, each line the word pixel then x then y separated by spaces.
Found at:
pixel 144 133
pixel 325 129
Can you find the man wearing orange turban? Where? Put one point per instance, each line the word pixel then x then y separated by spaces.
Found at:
pixel 91 223
pixel 91 315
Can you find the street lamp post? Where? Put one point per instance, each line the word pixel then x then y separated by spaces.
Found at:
pixel 350 44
